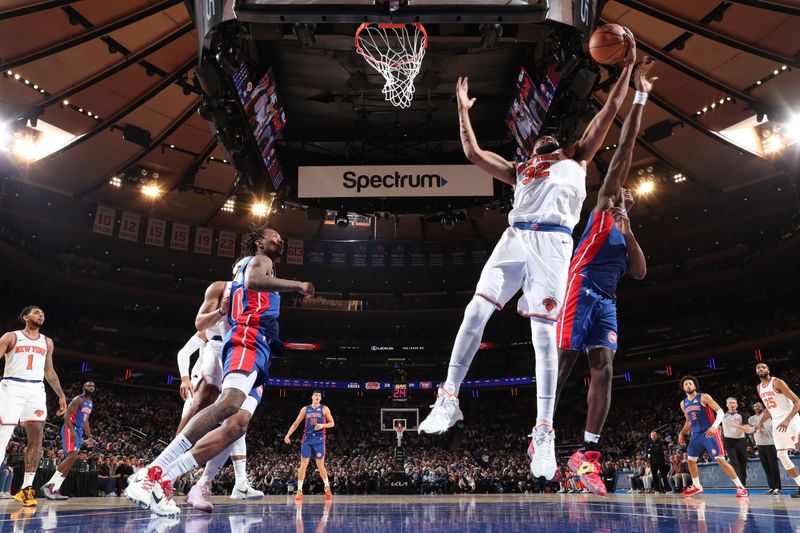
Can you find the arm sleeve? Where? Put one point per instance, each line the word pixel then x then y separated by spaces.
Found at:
pixel 720 416
pixel 191 346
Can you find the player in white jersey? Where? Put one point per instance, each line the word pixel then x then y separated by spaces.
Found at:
pixel 193 388
pixel 533 254
pixel 782 407
pixel 29 361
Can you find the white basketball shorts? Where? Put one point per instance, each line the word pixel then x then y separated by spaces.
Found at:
pixel 786 440
pixel 22 402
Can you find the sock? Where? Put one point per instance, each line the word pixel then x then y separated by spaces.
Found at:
pixel 58 482
pixel 239 447
pixel 240 471
pixel 590 437
pixel 325 480
pixel 476 315
pixel 172 452
pixel 797 479
pixel 214 465
pixel 543 337
pixel 696 482
pixel 300 484
pixel 738 483
pixel 184 463
pixel 27 481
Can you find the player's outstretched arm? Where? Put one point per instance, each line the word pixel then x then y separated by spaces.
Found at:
pixel 258 277
pixel 592 139
pixel 52 378
pixel 781 387
pixel 491 163
pixel 296 423
pixel 214 307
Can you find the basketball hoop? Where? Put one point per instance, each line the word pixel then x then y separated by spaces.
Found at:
pixel 399 428
pixel 396 51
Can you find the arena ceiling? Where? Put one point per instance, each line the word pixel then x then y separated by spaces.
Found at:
pixel 91 67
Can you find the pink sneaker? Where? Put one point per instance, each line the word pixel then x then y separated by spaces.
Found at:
pixel 199 497
pixel 742 493
pixel 587 467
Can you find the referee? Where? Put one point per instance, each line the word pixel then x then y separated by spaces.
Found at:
pixel 734 439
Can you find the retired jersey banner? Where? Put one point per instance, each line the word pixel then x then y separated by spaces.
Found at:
pixel 393 181
pixel 180 237
pixel 156 230
pixel 203 237
pixel 104 220
pixel 129 227
pixel 294 252
pixel 226 244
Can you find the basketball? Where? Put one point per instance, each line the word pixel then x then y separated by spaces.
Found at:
pixel 607 45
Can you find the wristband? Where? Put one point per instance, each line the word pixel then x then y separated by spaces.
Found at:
pixel 640 98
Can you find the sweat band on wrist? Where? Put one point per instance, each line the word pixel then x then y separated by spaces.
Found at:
pixel 640 98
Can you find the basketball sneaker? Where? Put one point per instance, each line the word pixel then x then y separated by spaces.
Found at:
pixel 328 493
pixel 51 494
pixel 199 497
pixel 445 413
pixel 796 494
pixel 587 468
pixel 741 492
pixel 541 452
pixel 140 485
pixel 299 496
pixel 161 502
pixel 691 491
pixel 245 492
pixel 27 497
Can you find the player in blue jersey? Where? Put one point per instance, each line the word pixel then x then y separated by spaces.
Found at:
pixel 588 319
pixel 75 427
pixel 252 308
pixel 318 419
pixel 699 409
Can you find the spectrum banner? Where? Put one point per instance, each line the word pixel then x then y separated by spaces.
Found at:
pixel 393 181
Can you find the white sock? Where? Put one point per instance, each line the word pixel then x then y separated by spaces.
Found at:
pixel 300 484
pixel 590 437
pixel 184 463
pixel 543 337
pixel 214 465
pixel 476 315
pixel 326 482
pixel 797 479
pixel 239 447
pixel 696 482
pixel 738 483
pixel 27 480
pixel 175 449
pixel 240 471
pixel 57 482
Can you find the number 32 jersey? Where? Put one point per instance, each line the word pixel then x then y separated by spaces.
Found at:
pixel 550 189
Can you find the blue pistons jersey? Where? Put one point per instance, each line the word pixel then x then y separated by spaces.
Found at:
pixel 313 445
pixel 700 416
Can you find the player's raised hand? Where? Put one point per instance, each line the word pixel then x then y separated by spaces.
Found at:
pixel 62 405
pixel 306 288
pixel 187 391
pixel 286 440
pixel 630 56
pixel 462 94
pixel 627 197
pixel 640 79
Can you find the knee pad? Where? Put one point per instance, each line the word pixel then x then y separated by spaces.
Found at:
pixel 477 314
pixel 787 463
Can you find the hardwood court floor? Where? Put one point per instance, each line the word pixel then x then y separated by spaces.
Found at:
pixel 552 513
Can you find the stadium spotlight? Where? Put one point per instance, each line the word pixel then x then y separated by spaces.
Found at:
pixel 259 209
pixel 151 190
pixel 229 206
pixel 645 187
pixel 115 181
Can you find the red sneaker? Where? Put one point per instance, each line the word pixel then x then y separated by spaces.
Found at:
pixel 299 496
pixel 742 493
pixel 328 493
pixel 691 491
pixel 586 467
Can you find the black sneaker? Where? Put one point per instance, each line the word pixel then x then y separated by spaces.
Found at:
pixel 770 491
pixel 796 494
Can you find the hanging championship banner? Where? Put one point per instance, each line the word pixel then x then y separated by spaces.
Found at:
pixel 226 244
pixel 393 181
pixel 294 252
pixel 203 237
pixel 156 230
pixel 180 237
pixel 129 227
pixel 104 220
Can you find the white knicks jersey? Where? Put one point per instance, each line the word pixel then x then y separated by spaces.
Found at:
pixel 550 189
pixel 221 326
pixel 778 405
pixel 26 359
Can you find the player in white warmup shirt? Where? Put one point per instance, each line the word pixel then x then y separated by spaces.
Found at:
pixel 533 254
pixel 29 361
pixel 782 407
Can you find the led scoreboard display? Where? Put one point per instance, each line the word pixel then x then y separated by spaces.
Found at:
pixel 400 392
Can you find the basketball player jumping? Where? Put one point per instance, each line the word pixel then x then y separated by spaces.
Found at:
pixel 252 306
pixel 318 419
pixel 782 407
pixel 29 360
pixel 588 321
pixel 699 409
pixel 533 254
pixel 76 425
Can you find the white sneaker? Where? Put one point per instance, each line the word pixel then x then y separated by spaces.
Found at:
pixel 444 414
pixel 245 492
pixel 542 452
pixel 140 485
pixel 161 502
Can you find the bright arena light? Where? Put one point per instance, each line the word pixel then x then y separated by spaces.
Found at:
pixel 645 187
pixel 259 209
pixel 229 205
pixel 773 143
pixel 151 190
pixel 24 148
pixel 792 128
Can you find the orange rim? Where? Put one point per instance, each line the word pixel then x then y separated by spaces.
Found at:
pixel 387 25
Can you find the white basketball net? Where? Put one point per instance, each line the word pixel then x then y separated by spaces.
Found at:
pixel 396 51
